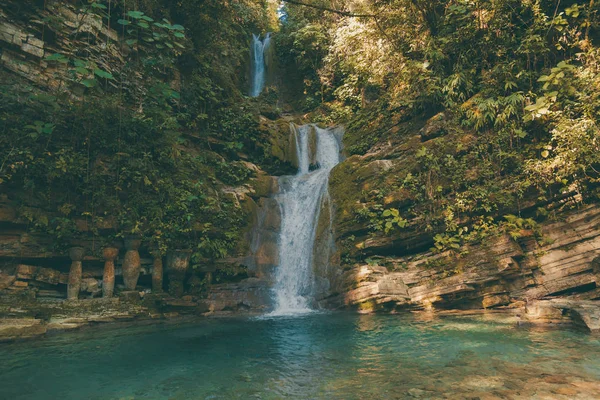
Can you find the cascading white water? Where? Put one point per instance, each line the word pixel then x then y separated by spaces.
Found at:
pixel 300 199
pixel 259 63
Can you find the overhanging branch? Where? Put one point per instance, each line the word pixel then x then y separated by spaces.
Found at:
pixel 331 10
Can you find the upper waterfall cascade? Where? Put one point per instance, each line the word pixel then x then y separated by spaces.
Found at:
pixel 259 49
pixel 300 199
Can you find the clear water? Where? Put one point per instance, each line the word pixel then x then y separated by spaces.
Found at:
pixel 300 200
pixel 317 356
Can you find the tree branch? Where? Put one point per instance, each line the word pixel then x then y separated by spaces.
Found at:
pixel 332 10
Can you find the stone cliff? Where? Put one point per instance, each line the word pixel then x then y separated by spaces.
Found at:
pixel 542 273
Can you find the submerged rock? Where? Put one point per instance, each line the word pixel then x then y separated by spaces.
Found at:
pixel 584 313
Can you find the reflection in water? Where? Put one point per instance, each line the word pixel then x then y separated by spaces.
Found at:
pixel 299 355
pixel 317 356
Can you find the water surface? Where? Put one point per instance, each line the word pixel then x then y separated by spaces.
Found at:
pixel 316 356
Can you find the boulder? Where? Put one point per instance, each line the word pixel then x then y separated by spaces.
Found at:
pixel 435 127
pixel 251 294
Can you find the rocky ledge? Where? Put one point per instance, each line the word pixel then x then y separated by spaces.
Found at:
pixel 553 280
pixel 23 316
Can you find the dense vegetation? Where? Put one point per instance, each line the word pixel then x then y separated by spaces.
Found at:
pixel 140 131
pixel 512 86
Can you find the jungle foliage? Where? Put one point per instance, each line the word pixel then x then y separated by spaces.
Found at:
pixel 139 137
pixel 515 83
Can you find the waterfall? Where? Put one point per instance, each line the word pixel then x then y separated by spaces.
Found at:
pixel 300 200
pixel 259 63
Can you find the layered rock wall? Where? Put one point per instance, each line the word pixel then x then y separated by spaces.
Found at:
pixel 564 264
pixel 28 38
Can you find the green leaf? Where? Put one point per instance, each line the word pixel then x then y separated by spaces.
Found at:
pixel 422 152
pixel 387 213
pixel 48 128
pixel 103 74
pixel 57 57
pixel 531 107
pixel 179 35
pixel 135 14
pixel 143 24
pixel 147 18
pixel 80 63
pixel 89 83
pixel 521 134
pixel 178 27
pixel 131 42
pixel 123 22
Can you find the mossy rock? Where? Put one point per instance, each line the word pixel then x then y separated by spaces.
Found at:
pixel 264 186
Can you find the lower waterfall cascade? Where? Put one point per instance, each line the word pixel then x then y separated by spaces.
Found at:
pixel 300 199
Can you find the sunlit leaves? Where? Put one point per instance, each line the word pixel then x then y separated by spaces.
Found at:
pixel 392 220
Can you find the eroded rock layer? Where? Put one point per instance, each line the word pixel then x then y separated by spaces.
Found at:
pixel 564 265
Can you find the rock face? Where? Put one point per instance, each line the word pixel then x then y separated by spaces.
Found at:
pixel 500 272
pixel 324 251
pixel 250 294
pixel 585 313
pixel 26 44
pixel 368 288
pixel 282 141
pixel 264 249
